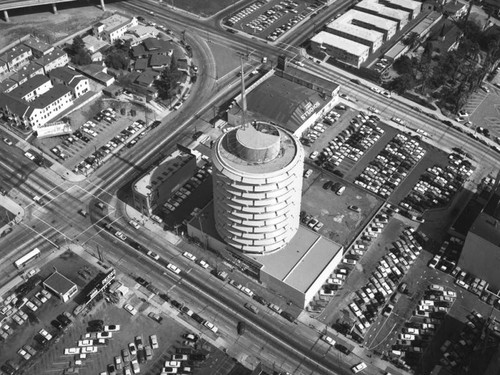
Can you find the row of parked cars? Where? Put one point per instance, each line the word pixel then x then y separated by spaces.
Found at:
pixel 245 12
pixel 352 143
pixel 417 333
pixel 95 159
pixel 380 291
pixel 178 196
pixel 316 130
pixel 458 352
pixel 391 166
pixel 438 185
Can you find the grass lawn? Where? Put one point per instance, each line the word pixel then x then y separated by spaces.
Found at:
pixel 202 8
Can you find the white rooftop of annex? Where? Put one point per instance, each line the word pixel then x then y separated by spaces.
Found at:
pixel 336 41
pixel 374 5
pixel 379 22
pixel 357 31
pixel 408 4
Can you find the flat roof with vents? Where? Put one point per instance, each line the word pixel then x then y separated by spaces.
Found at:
pixel 167 168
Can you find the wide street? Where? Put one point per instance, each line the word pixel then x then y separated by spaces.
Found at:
pixel 292 347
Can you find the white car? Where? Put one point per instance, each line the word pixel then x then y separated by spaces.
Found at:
pixel 405 336
pixel 130 309
pixel 85 343
pixel 314 155
pixel 359 367
pixel 23 353
pixel 328 339
pixel 203 264
pixel 172 363
pixel 45 334
pixel 154 341
pixel 211 326
pixel 29 155
pixel 174 268
pixel 7 141
pixel 72 351
pixel 89 349
pixel 153 255
pixel 120 235
pixel 134 223
pixel 189 256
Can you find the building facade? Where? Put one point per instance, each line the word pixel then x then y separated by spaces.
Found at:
pixel 114 27
pixel 78 84
pixel 345 50
pixel 55 59
pixel 16 57
pixel 257 183
pixel 155 187
pixel 33 88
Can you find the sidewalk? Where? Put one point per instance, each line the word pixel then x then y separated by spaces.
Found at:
pixel 150 225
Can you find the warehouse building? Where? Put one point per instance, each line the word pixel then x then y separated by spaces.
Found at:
pixel 297 271
pixel 154 188
pixel 368 21
pixel 344 28
pixel 410 6
pixel 342 49
pixel 61 286
pixel 378 9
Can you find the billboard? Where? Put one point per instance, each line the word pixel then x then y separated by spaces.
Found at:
pixel 53 129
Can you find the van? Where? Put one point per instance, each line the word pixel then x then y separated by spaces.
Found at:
pixel 340 190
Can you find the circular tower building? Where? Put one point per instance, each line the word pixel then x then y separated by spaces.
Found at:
pixel 257 181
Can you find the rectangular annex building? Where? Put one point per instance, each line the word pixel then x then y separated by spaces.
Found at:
pixel 379 9
pixel 369 22
pixel 347 51
pixel 298 271
pixel 345 28
pixel 61 286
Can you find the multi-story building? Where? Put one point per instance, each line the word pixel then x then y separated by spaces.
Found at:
pixel 344 50
pixel 114 27
pixel 32 88
pixel 257 184
pixel 55 59
pixel 39 111
pixel 155 187
pixel 38 47
pixel 78 84
pixel 16 57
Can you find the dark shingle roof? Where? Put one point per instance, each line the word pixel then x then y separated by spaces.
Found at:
pixel 30 85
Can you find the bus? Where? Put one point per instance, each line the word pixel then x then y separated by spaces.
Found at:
pixel 25 259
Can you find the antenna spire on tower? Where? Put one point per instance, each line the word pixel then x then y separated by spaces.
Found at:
pixel 243 97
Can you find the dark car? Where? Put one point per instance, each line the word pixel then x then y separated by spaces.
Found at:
pixel 343 349
pixel 56 324
pixel 64 320
pixel 197 318
pixel 327 185
pixel 260 300
pixel 111 370
pixel 176 304
pixel 7 369
pixel 241 328
pixel 288 316
pixel 199 356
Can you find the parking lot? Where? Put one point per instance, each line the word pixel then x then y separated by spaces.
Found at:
pixel 270 20
pixel 98 128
